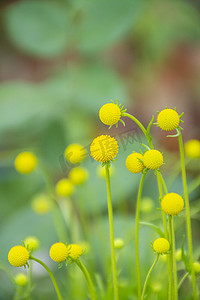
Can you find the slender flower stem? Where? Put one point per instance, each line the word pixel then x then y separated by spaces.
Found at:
pixel 88 279
pixel 188 221
pixel 171 226
pixel 50 274
pixel 137 220
pixel 148 275
pixel 182 279
pixel 30 274
pixel 110 216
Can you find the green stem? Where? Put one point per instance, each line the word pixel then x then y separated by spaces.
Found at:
pixel 137 220
pixel 173 249
pixel 171 258
pixel 30 273
pixel 50 274
pixel 182 279
pixel 88 279
pixel 148 275
pixel 188 220
pixel 110 216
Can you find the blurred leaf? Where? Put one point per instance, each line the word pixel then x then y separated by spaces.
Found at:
pixel 159 231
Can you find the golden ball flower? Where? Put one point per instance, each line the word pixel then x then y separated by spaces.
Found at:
pixel 75 153
pixel 192 148
pixel 78 175
pixel 133 163
pixel 172 204
pixel 118 243
pixel 25 162
pixel 161 246
pixel 153 159
pixel 18 256
pixel 58 252
pixel 41 204
pixel 31 243
pixel 196 267
pixel 168 119
pixel 104 148
pixel 101 171
pixel 75 251
pixel 21 279
pixel 64 188
pixel 110 114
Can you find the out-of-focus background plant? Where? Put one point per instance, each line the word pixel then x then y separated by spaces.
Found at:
pixel 60 61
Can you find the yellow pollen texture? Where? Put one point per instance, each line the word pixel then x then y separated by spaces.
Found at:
pixel 18 256
pixel 172 204
pixel 109 114
pixel 133 163
pixel 153 159
pixel 58 252
pixel 104 148
pixel 75 251
pixel 161 246
pixel 168 119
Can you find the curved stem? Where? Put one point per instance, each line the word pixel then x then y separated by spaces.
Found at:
pixel 148 275
pixel 50 274
pixel 173 257
pixel 182 279
pixel 110 216
pixel 88 279
pixel 188 220
pixel 137 220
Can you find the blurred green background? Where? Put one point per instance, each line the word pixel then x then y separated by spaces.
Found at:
pixel 60 61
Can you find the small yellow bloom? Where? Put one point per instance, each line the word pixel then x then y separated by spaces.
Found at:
pixel 58 252
pixel 168 119
pixel 192 148
pixel 41 204
pixel 18 256
pixel 110 114
pixel 104 148
pixel 25 162
pixel 161 246
pixel 75 153
pixel 172 204
pixel 147 205
pixel 196 267
pixel 133 163
pixel 31 243
pixel 21 279
pixel 78 175
pixel 153 159
pixel 64 188
pixel 75 251
pixel 118 243
pixel 101 171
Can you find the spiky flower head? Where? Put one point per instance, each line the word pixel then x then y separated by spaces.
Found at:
pixel 25 162
pixel 21 279
pixel 64 187
pixel 78 175
pixel 75 153
pixel 31 243
pixel 192 148
pixel 18 256
pixel 58 252
pixel 75 251
pixel 161 246
pixel 196 267
pixel 104 148
pixel 168 119
pixel 153 159
pixel 172 204
pixel 110 114
pixel 134 163
pixel 118 243
pixel 41 204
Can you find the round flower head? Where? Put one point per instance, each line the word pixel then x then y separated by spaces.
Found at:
pixel 104 148
pixel 172 204
pixel 118 243
pixel 75 153
pixel 25 162
pixel 18 256
pixel 161 246
pixel 192 149
pixel 75 251
pixel 101 171
pixel 147 205
pixel 168 119
pixel 196 267
pixel 21 279
pixel 133 163
pixel 58 252
pixel 110 114
pixel 153 159
pixel 31 243
pixel 41 204
pixel 64 188
pixel 78 175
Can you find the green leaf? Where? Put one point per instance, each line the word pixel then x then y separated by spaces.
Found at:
pixel 184 256
pixel 159 231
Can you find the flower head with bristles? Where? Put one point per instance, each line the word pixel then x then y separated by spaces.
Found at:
pixel 161 246
pixel 18 256
pixel 104 148
pixel 110 114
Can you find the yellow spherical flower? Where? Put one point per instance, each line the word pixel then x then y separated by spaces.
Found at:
pixel 118 243
pixel 25 162
pixel 64 188
pixel 75 251
pixel 21 279
pixel 146 205
pixel 110 114
pixel 196 267
pixel 192 148
pixel 161 246
pixel 58 252
pixel 172 204
pixel 168 119
pixel 75 153
pixel 104 148
pixel 153 159
pixel 133 163
pixel 101 171
pixel 31 243
pixel 41 204
pixel 18 256
pixel 78 175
